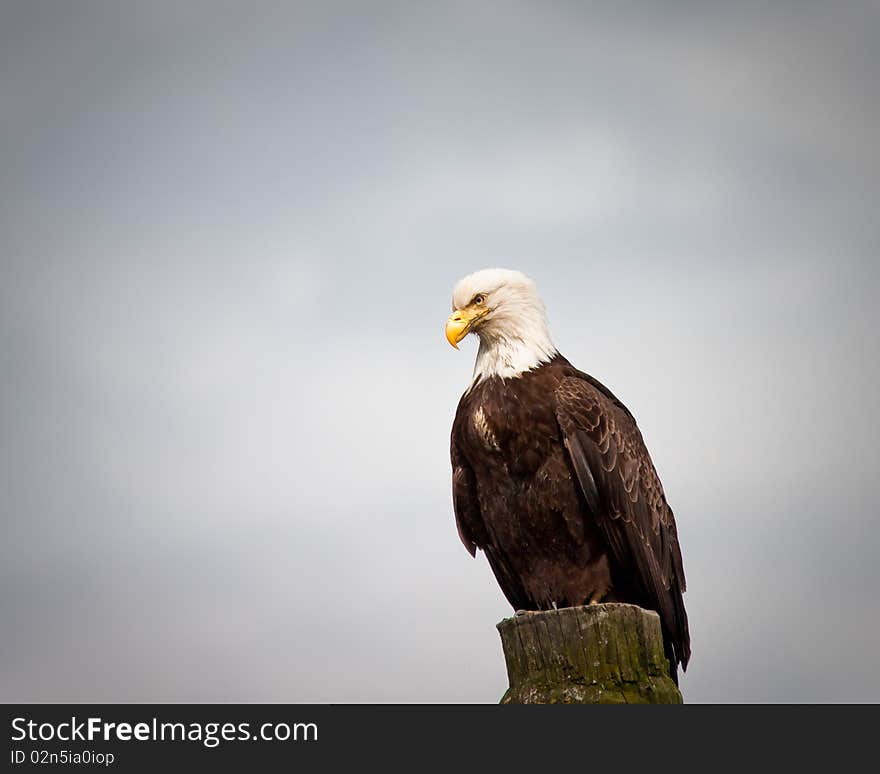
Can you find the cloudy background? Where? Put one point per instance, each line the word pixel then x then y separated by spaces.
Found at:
pixel 229 235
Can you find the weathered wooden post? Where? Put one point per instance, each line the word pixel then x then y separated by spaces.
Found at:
pixel 598 654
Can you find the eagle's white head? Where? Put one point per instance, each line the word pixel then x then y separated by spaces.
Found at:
pixel 503 308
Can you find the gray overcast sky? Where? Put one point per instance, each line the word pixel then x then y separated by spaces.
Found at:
pixel 230 233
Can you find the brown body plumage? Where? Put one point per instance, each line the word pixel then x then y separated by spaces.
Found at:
pixel 553 482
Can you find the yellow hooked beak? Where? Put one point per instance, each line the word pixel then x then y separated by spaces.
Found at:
pixel 460 323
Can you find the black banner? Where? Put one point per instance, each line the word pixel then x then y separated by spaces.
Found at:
pixel 146 737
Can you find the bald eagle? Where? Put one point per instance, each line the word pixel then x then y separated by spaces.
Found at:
pixel 551 478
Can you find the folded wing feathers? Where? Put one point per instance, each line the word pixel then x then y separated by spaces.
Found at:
pixel 624 494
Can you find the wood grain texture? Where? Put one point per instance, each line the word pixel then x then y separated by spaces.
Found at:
pixel 597 654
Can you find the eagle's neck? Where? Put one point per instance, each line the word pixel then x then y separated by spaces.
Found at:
pixel 513 348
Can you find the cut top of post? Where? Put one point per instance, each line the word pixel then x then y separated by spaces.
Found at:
pixel 597 654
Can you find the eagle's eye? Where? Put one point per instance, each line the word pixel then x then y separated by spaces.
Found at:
pixel 479 299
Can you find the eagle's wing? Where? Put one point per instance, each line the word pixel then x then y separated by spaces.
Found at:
pixel 468 518
pixel 472 529
pixel 625 498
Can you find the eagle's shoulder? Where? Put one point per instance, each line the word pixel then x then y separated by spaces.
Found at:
pixel 583 402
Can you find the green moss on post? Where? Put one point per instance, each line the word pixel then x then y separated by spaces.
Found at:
pixel 598 654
